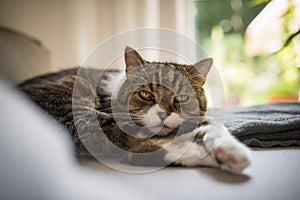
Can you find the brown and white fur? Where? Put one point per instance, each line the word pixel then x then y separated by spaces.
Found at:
pixel 152 106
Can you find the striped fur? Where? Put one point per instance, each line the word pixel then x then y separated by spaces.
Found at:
pixel 76 96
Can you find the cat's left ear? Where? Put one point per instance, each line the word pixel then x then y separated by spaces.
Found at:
pixel 203 66
pixel 132 58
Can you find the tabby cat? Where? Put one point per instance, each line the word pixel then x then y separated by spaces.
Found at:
pixel 155 107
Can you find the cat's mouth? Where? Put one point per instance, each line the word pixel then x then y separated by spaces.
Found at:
pixel 163 130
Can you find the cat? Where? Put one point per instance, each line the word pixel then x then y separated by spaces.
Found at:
pixel 156 107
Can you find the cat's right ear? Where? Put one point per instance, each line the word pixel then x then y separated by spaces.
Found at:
pixel 132 58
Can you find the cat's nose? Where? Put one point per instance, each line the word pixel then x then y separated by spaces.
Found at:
pixel 162 115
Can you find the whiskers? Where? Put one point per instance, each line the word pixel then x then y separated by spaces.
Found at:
pixel 97 111
pixel 122 117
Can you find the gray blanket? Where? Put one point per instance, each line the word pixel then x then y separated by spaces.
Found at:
pixel 264 125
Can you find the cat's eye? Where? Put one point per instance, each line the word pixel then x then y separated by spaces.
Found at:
pixel 146 95
pixel 181 98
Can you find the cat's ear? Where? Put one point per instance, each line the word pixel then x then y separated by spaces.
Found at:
pixel 203 66
pixel 132 58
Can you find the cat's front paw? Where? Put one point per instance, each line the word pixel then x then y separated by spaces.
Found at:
pixel 230 154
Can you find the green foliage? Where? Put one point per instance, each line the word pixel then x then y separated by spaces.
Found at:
pixel 250 79
pixel 288 57
pixel 258 2
pixel 235 15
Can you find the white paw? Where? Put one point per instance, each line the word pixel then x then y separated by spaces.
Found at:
pixel 218 149
pixel 231 155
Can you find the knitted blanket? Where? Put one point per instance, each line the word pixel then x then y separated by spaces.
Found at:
pixel 264 125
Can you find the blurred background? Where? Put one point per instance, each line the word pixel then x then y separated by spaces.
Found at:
pixel 255 43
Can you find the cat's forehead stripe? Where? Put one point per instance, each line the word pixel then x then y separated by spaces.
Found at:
pixel 157 75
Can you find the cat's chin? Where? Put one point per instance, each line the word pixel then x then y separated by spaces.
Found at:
pixel 162 130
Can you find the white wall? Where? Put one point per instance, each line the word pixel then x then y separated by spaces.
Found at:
pixel 70 29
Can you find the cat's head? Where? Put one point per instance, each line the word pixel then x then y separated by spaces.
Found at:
pixel 162 96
